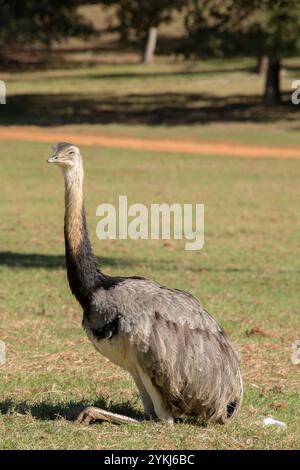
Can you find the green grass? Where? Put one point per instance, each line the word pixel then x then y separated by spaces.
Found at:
pixel 214 100
pixel 247 276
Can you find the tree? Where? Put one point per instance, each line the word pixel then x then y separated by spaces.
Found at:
pixel 261 28
pixel 215 27
pixel 40 21
pixel 278 29
pixel 138 21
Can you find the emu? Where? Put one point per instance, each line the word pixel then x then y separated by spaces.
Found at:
pixel 179 357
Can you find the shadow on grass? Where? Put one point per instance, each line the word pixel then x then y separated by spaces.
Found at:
pixel 156 75
pixel 170 109
pixel 112 52
pixel 44 261
pixel 37 261
pixel 47 411
pixel 63 58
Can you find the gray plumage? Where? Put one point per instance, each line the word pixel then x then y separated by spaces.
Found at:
pixel 179 357
pixel 176 343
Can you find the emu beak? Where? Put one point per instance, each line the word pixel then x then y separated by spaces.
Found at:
pixel 52 159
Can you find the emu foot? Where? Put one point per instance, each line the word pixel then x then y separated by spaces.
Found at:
pixel 91 413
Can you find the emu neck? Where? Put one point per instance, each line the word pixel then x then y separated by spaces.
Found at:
pixel 81 263
pixel 74 209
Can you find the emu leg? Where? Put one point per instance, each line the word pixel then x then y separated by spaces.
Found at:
pixel 92 413
pixel 161 408
pixel 147 402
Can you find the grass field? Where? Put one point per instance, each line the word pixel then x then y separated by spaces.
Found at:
pixel 247 274
pixel 212 100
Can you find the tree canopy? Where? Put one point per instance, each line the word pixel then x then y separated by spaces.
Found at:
pixel 42 21
pixel 136 17
pixel 214 28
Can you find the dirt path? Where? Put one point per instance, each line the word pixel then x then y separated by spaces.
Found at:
pixel 39 134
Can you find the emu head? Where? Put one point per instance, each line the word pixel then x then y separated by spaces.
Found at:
pixel 66 156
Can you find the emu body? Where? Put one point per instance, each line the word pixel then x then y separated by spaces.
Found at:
pixel 179 357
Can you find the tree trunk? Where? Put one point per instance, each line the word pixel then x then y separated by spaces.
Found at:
pixel 272 84
pixel 262 65
pixel 150 45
